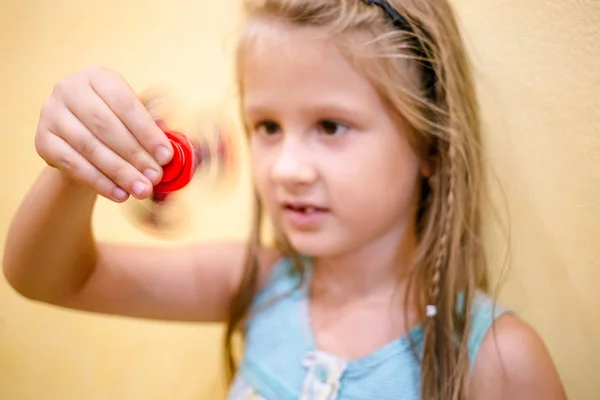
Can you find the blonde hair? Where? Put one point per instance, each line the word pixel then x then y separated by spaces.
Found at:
pixel 450 261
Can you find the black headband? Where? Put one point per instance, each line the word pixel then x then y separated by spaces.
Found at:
pixel 422 49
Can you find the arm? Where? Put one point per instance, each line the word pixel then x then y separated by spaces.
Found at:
pixel 99 139
pixel 514 364
pixel 51 256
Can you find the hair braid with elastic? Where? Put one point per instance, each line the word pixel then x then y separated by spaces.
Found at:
pixel 445 180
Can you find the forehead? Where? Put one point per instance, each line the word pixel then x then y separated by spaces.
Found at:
pixel 285 63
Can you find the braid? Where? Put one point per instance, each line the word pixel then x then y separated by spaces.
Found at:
pixel 444 239
pixel 435 323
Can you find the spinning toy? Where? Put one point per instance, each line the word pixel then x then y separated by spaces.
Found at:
pixel 208 154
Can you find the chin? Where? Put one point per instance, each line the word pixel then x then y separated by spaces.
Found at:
pixel 314 245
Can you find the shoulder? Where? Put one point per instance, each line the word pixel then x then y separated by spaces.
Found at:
pixel 514 363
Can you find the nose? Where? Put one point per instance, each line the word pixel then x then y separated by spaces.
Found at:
pixel 293 166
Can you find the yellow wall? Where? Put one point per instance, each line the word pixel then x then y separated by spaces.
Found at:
pixel 538 68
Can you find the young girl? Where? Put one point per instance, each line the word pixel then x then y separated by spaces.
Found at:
pixel 366 154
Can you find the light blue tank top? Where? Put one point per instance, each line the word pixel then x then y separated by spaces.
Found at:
pixel 281 360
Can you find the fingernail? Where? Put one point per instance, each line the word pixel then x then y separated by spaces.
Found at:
pixel 163 154
pixel 119 194
pixel 151 174
pixel 139 188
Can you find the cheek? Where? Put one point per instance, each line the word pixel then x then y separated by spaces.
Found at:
pixel 261 175
pixel 382 180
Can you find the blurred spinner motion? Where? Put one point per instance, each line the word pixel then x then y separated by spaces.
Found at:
pixel 207 155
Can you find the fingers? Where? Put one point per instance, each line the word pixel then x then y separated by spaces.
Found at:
pixel 95 128
pixel 102 160
pixel 125 104
pixel 103 125
pixel 79 168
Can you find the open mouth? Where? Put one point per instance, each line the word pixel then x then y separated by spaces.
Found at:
pixel 305 216
pixel 304 209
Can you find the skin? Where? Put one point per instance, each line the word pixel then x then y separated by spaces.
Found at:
pixel 321 134
pixel 317 138
pixel 326 138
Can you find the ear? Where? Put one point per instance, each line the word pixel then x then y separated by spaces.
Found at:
pixel 427 168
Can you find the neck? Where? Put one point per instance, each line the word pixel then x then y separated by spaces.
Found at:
pixel 379 268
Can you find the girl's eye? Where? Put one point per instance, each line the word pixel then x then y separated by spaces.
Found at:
pixel 332 128
pixel 267 128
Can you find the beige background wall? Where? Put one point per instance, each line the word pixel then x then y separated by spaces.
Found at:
pixel 538 68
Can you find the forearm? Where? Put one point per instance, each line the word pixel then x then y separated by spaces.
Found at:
pixel 50 250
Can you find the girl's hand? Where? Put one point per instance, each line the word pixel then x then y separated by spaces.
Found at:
pixel 96 130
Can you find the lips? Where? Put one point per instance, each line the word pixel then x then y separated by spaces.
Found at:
pixel 305 208
pixel 305 216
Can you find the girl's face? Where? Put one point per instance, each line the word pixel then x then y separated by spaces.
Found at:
pixel 332 163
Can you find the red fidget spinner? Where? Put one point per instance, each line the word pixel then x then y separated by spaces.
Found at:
pixel 190 156
pixel 187 156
